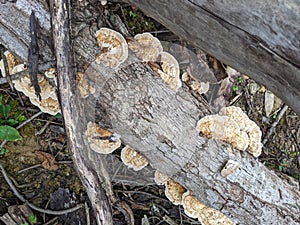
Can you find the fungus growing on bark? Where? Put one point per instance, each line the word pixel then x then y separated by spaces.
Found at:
pixel 133 159
pixel 101 140
pixel 49 103
pixel 174 191
pixel 218 127
pixel 233 126
pixel 210 216
pixel 230 167
pixel 170 70
pixel 18 68
pixel 237 114
pixel 51 73
pixel 241 141
pixel 145 46
pixel 160 178
pixel 24 85
pixel 114 48
pixel 254 134
pixel 191 205
pixel 252 130
pixel 11 60
pixel 85 89
pixel 206 215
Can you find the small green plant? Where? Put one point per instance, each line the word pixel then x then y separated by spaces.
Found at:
pixel 32 219
pixel 58 116
pixel 7 132
pixel 239 81
pixel 235 88
pixel 282 165
pixel 3 151
pixel 132 14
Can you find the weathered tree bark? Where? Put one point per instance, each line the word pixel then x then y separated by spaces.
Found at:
pixel 259 38
pixel 161 123
pixel 72 111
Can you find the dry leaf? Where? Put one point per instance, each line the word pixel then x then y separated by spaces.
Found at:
pixel 269 102
pixel 48 161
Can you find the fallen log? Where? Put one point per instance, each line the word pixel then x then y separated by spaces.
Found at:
pixel 161 124
pixel 258 38
pixel 254 195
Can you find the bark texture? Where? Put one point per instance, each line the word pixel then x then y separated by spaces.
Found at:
pixel 72 111
pixel 259 38
pixel 157 121
pixel 161 124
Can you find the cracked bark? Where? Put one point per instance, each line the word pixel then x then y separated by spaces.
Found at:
pixel 161 123
pixel 258 38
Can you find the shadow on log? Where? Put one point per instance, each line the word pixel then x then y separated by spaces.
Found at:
pixel 159 122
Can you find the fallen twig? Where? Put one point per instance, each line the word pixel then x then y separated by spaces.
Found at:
pixel 273 127
pixel 19 196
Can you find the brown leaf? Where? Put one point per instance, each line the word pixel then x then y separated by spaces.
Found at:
pixel 48 161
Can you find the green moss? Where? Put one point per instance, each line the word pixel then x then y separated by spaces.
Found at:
pixel 136 21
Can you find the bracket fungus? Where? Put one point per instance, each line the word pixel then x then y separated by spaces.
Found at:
pixel 218 127
pixel 206 215
pixel 237 114
pixel 160 178
pixel 145 46
pixel 101 140
pixel 11 60
pixel 114 48
pixel 48 103
pixel 133 159
pixel 246 125
pixel 170 70
pixel 230 167
pixel 174 191
pixel 234 127
pixel 191 205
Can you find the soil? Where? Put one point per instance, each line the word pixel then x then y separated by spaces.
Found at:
pixel 48 187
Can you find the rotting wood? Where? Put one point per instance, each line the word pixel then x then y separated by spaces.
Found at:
pixel 196 164
pixel 72 112
pixel 161 124
pixel 259 38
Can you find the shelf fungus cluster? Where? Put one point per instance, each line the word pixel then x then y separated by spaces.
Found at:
pixel 233 126
pixel 179 195
pixel 132 159
pixel 48 102
pixel 101 140
pixel 114 51
pixel 149 49
pixel 145 47
pixel 113 47
pixel 11 60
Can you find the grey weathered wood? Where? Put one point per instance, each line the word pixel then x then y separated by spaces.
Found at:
pixel 72 111
pixel 259 38
pixel 161 124
pixel 173 147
